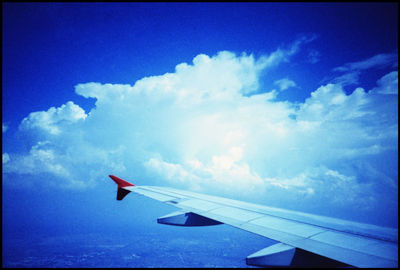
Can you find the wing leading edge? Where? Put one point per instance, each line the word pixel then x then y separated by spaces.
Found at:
pixel 301 235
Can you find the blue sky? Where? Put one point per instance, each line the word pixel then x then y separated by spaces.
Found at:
pixel 292 105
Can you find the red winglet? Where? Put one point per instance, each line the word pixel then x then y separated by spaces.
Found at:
pixel 121 183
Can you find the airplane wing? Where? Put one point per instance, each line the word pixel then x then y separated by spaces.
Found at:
pixel 300 235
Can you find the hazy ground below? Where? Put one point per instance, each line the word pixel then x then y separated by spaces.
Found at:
pixel 227 247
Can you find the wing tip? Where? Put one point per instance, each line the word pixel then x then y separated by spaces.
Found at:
pixel 120 182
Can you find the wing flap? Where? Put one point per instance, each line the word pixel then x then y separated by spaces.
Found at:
pixel 369 246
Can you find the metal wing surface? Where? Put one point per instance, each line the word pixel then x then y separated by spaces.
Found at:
pixel 351 243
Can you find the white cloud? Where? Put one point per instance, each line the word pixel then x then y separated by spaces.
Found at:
pixel 50 120
pixel 197 128
pixel 6 158
pixel 388 84
pixel 284 83
pixel 4 127
pixel 314 56
pixel 41 158
pixel 283 55
pixel 377 61
pixel 330 102
pixel 349 78
pixel 352 71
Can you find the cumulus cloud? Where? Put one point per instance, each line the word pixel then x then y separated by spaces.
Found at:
pixel 198 128
pixel 284 83
pixel 224 170
pixel 51 120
